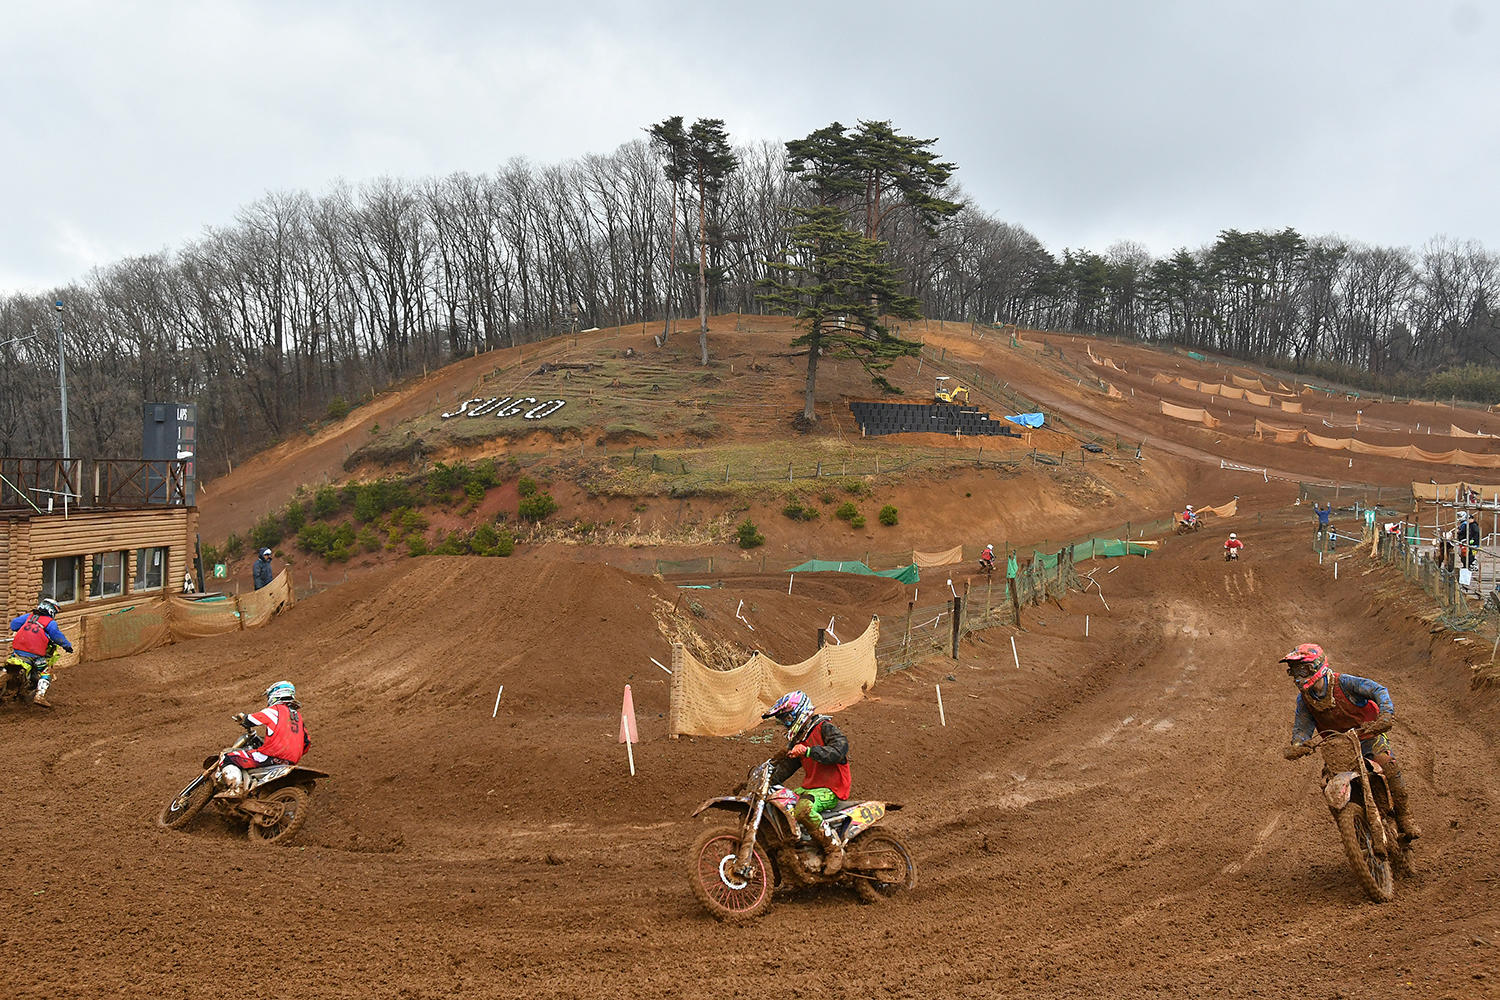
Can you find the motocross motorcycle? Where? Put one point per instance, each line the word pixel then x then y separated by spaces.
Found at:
pixel 1184 526
pixel 1360 803
pixel 277 804
pixel 1231 555
pixel 987 567
pixel 735 868
pixel 19 676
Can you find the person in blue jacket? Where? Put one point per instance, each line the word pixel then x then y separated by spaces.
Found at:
pixel 261 571
pixel 35 644
pixel 1328 701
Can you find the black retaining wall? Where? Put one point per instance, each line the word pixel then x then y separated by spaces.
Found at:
pixel 940 418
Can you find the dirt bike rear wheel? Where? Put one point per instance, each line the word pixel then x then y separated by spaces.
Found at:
pixel 884 842
pixel 1373 871
pixel 723 893
pixel 295 803
pixel 188 803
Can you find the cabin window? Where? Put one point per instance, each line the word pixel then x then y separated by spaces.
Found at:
pixel 108 578
pixel 60 578
pixel 150 568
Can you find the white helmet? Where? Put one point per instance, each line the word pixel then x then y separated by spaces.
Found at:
pixel 281 693
pixel 1231 535
pixel 1189 506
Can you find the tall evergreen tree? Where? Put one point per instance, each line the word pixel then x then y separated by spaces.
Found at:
pixel 711 161
pixel 838 286
pixel 670 141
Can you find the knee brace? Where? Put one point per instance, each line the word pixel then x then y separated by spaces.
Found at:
pixel 234 778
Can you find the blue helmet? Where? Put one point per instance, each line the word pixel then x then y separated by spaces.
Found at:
pixel 795 711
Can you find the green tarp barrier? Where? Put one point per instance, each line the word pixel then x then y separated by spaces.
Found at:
pixel 1112 547
pixel 905 574
pixel 1196 356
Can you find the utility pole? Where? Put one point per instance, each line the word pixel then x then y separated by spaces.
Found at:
pixel 62 381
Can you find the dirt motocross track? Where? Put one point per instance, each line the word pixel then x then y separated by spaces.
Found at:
pixel 1112 820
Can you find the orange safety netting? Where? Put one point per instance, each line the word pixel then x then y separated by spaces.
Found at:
pixel 1257 398
pixel 948 557
pixel 1291 407
pixel 1193 413
pixel 1460 432
pixel 708 702
pixel 1279 434
pixel 1408 452
pixel 1231 393
pixel 1159 377
pixel 1113 392
pixel 163 620
pixel 1187 383
pixel 1247 383
pixel 1223 510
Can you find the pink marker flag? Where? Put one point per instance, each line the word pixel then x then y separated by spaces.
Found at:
pixel 628 732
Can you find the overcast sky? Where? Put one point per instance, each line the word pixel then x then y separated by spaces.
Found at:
pixel 128 127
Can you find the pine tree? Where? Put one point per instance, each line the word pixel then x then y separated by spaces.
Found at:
pixel 711 162
pixel 838 286
pixel 670 141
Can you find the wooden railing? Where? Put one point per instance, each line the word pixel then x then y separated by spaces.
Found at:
pixel 57 486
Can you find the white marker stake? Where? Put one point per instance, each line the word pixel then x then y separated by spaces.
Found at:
pixel 659 663
pixel 1013 652
pixel 497 701
pixel 1335 570
pixel 951 590
pixel 941 717
pixel 789 585
pixel 1085 626
pixel 1103 601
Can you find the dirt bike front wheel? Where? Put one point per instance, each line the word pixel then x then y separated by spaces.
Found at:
pixel 295 803
pixel 897 869
pixel 188 803
pixel 726 894
pixel 1372 870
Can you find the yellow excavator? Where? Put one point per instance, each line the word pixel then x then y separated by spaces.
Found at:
pixel 957 395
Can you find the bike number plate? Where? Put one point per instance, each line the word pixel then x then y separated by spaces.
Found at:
pixel 868 813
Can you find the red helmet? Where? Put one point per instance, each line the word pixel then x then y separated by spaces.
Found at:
pixel 1307 664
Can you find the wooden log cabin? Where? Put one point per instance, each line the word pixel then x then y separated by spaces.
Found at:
pixel 95 536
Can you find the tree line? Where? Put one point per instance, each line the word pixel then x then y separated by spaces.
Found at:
pixel 306 304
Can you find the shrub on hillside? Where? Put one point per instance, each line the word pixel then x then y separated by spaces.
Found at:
pixel 266 533
pixel 325 502
pixel 888 516
pixel 795 510
pixel 294 517
pixel 338 408
pixel 234 546
pixel 857 521
pixel 536 506
pixel 416 545
pixel 749 535
pixel 488 541
pixel 1480 383
pixel 847 511
pixel 526 486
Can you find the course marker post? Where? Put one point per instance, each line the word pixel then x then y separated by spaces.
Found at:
pixel 628 734
pixel 1015 655
pixel 659 664
pixel 1085 626
pixel 941 717
pixel 497 701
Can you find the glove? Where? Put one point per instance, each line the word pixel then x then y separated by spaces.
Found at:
pixel 1381 724
pixel 1296 750
pixel 797 751
pixel 239 718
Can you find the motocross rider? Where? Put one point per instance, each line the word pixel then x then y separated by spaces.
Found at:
pixel 1232 546
pixel 820 748
pixel 1332 702
pixel 987 557
pixel 36 641
pixel 1188 517
pixel 285 740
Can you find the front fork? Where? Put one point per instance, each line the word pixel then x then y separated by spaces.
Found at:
pixel 1372 811
pixel 745 855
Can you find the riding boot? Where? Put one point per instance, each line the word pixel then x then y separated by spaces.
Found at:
pixel 1397 784
pixel 40 699
pixel 833 851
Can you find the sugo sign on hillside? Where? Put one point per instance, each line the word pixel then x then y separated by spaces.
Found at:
pixel 507 406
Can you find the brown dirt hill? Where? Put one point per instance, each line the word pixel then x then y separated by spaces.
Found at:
pixel 1113 819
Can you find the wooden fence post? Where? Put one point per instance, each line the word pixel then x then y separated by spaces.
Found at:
pixel 958 610
pixel 906 640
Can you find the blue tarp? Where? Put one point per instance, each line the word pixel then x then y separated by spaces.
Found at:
pixel 1027 419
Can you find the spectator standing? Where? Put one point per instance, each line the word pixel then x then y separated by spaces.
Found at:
pixel 1325 526
pixel 261 572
